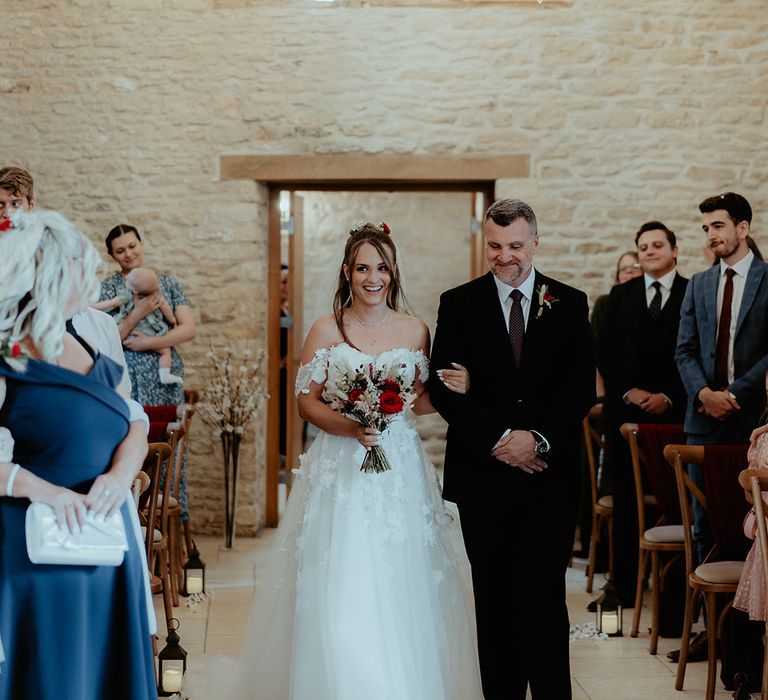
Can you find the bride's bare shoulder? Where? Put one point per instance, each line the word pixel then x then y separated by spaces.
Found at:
pixel 415 332
pixel 323 334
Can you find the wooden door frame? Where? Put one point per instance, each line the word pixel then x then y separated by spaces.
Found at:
pixel 346 173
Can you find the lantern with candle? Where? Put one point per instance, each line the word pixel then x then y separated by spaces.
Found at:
pixel 172 663
pixel 609 612
pixel 194 573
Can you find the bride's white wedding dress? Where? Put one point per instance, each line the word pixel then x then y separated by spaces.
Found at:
pixel 367 594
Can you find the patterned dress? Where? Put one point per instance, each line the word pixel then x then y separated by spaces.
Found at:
pixel 143 366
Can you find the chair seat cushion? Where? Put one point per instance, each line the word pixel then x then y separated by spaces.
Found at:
pixel 665 533
pixel 720 571
pixel 172 502
pixel 157 536
pixel 605 501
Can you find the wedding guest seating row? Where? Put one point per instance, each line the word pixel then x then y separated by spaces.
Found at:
pixel 602 507
pixel 172 424
pixel 646 445
pixel 718 575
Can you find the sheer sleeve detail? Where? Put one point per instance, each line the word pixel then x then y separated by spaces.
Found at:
pixel 314 371
pixel 422 364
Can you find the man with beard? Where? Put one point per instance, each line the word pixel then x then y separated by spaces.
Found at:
pixel 722 348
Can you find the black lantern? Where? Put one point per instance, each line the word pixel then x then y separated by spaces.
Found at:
pixel 172 664
pixel 194 573
pixel 609 612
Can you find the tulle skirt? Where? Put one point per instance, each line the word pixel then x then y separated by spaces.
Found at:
pixel 367 593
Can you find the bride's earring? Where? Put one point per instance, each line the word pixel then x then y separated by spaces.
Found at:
pixel 350 298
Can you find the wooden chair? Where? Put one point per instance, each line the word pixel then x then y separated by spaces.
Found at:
pixel 164 425
pixel 666 536
pixel 154 510
pixel 602 507
pixel 754 482
pixel 180 537
pixel 140 485
pixel 712 578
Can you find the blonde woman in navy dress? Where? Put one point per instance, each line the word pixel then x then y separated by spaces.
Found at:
pixel 68 631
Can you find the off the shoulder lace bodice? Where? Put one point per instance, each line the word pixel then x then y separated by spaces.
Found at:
pixel 331 365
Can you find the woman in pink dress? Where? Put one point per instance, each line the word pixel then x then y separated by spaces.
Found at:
pixel 750 595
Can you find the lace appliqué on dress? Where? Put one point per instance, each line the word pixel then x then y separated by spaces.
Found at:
pixel 315 370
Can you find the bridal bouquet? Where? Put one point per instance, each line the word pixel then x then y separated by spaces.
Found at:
pixel 372 398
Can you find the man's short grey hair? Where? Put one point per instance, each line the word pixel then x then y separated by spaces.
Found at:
pixel 505 211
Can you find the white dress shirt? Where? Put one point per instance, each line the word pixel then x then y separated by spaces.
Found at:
pixel 741 269
pixel 666 287
pixel 504 290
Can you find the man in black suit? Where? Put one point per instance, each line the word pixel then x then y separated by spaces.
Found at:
pixel 636 356
pixel 512 458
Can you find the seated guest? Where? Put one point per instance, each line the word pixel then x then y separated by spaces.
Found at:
pixel 58 400
pixel 636 355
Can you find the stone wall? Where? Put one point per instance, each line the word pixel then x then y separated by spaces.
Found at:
pixel 629 111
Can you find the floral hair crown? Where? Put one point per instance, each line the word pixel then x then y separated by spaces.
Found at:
pixel 360 225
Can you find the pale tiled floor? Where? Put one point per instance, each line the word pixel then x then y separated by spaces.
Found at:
pixel 614 669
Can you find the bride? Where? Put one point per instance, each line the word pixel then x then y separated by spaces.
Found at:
pixel 367 595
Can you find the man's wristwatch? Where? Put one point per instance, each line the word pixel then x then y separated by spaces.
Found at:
pixel 542 446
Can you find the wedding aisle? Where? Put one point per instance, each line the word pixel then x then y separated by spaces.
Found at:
pixel 613 669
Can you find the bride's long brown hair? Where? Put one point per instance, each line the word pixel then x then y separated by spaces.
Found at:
pixel 380 239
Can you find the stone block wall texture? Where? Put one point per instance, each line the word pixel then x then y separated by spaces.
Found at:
pixel 629 111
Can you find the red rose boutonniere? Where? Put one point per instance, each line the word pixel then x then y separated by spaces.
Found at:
pixel 545 299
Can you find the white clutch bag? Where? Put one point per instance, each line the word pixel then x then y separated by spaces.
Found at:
pixel 101 543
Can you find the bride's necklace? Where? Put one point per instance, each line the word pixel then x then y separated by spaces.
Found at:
pixel 367 325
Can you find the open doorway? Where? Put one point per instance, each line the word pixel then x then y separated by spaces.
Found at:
pixel 437 234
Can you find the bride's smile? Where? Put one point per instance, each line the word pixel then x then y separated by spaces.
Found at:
pixel 369 278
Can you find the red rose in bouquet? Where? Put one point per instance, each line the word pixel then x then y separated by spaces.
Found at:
pixel 6 224
pixel 390 402
pixel 372 399
pixel 355 395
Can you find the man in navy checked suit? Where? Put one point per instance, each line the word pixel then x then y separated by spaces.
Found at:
pixel 723 368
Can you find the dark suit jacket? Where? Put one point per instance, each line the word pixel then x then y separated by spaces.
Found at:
pixel 696 343
pixel 551 392
pixel 632 351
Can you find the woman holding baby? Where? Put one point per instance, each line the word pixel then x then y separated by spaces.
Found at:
pixel 153 315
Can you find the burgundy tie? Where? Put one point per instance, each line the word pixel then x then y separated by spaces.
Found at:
pixel 516 325
pixel 724 332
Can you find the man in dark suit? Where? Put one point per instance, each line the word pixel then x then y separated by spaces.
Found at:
pixel 722 348
pixel 512 458
pixel 636 356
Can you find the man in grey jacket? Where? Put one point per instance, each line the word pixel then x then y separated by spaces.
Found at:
pixel 722 348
